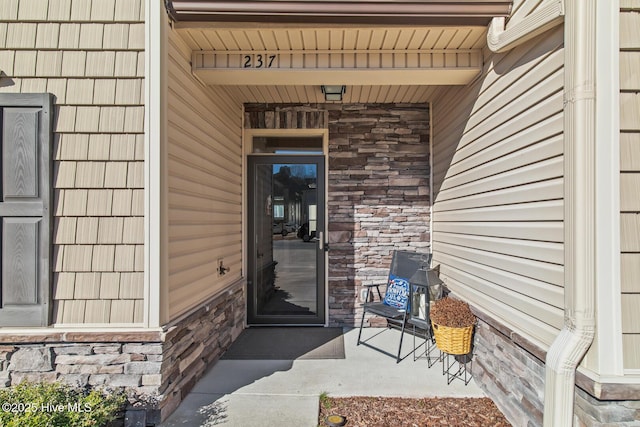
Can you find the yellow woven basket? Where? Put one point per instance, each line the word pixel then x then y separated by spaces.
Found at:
pixel 453 340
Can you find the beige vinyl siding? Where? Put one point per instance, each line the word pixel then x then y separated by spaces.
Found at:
pixel 630 180
pixel 498 188
pixel 205 184
pixel 523 8
pixel 90 55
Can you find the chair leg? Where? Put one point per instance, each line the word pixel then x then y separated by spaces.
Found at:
pixel 361 323
pixel 404 323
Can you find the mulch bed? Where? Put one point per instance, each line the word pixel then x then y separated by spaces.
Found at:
pixel 405 412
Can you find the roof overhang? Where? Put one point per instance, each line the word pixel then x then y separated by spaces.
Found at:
pixel 372 12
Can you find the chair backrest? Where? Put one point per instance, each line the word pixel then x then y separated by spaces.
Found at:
pixel 404 264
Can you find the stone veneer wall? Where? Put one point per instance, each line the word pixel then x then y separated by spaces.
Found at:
pixel 511 375
pixel 194 343
pixel 591 412
pixel 156 368
pixel 378 196
pixel 512 372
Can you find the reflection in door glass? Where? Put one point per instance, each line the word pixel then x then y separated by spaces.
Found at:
pixel 285 224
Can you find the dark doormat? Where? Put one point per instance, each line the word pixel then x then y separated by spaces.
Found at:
pixel 287 344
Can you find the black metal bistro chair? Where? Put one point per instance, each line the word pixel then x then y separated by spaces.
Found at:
pixel 394 306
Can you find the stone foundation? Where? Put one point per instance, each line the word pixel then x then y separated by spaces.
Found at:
pixel 591 412
pixel 134 365
pixel 511 371
pixel 194 343
pixel 156 368
pixel 509 374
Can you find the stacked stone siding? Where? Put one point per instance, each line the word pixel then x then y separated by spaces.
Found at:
pixel 511 375
pixel 196 342
pixel 285 116
pixel 157 368
pixel 90 360
pixel 378 196
pixel 511 371
pixel 591 412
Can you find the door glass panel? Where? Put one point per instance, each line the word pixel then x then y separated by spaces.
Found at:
pixel 287 282
pixel 287 144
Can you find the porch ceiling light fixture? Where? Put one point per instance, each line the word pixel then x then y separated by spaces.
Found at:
pixel 333 92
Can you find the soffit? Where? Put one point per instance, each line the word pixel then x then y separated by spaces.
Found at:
pixel 355 94
pixel 404 64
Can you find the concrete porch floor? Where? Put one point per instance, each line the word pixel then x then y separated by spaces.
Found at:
pixel 285 393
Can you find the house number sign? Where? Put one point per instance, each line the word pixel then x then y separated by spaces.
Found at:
pixel 259 60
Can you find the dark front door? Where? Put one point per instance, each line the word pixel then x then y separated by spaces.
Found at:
pixel 286 240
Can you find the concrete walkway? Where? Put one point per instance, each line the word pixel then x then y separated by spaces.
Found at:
pixel 285 393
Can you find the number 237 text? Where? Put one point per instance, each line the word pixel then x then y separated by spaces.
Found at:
pixel 258 61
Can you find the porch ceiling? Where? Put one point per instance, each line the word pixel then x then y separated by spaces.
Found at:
pixel 356 94
pixel 378 64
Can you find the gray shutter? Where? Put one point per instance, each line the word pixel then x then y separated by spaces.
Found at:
pixel 25 209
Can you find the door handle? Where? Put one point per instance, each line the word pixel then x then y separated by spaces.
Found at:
pixel 322 245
